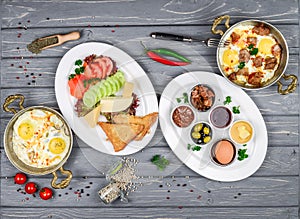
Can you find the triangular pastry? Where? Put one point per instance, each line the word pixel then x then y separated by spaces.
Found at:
pixel 120 134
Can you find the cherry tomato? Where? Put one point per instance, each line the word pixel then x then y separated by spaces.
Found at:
pixel 31 187
pixel 46 193
pixel 20 178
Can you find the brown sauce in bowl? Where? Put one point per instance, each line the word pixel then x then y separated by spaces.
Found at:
pixel 183 116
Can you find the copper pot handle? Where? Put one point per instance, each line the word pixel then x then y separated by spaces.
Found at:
pixel 217 21
pixel 64 183
pixel 291 87
pixel 10 99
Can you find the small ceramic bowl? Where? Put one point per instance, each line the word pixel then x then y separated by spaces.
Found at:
pixel 182 116
pixel 202 97
pixel 221 117
pixel 241 132
pixel 223 152
pixel 201 133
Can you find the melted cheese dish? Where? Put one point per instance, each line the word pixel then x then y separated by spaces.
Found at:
pixel 39 139
pixel 252 57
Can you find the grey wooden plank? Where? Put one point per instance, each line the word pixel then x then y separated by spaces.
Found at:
pixel 74 13
pixel 281 161
pixel 196 191
pixel 153 212
pixel 15 41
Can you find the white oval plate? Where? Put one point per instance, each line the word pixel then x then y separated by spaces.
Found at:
pixel 95 137
pixel 199 161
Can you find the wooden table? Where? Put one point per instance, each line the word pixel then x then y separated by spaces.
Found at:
pixel 272 192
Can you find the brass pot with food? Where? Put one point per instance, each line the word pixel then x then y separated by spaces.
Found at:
pixel 255 55
pixel 37 140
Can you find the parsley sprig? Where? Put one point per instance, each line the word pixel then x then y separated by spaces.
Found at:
pixel 236 109
pixel 241 65
pixel 227 100
pixel 160 161
pixel 184 97
pixel 252 50
pixel 242 154
pixel 193 147
pixel 78 70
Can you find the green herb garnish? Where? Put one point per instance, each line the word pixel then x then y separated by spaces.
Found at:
pixel 250 46
pixel 227 100
pixel 184 97
pixel 77 71
pixel 71 76
pixel 78 62
pixel 193 147
pixel 244 145
pixel 254 51
pixel 160 161
pixel 196 148
pixel 242 154
pixel 241 65
pixel 236 109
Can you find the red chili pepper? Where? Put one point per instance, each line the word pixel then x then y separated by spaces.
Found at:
pixel 165 61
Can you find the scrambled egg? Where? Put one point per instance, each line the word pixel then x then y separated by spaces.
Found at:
pixel 39 139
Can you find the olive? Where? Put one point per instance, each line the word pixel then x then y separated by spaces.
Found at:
pixel 206 139
pixel 196 135
pixel 198 127
pixel 206 130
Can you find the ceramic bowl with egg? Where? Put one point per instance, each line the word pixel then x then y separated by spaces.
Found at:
pixel 223 152
pixel 37 140
pixel 256 57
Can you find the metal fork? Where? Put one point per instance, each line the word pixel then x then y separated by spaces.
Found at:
pixel 210 42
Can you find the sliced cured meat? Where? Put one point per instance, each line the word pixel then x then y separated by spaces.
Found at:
pixel 261 29
pixel 244 55
pixel 255 78
pixel 102 66
pixel 109 65
pixel 270 62
pixel 252 40
pixel 235 37
pixel 258 61
pixel 96 69
pixel 88 72
pixel 243 71
pixel 276 50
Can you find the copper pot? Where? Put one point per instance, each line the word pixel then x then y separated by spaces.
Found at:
pixel 18 163
pixel 283 61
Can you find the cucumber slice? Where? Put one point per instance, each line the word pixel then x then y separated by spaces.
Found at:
pixel 112 82
pixel 103 90
pixel 89 98
pixel 96 91
pixel 107 88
